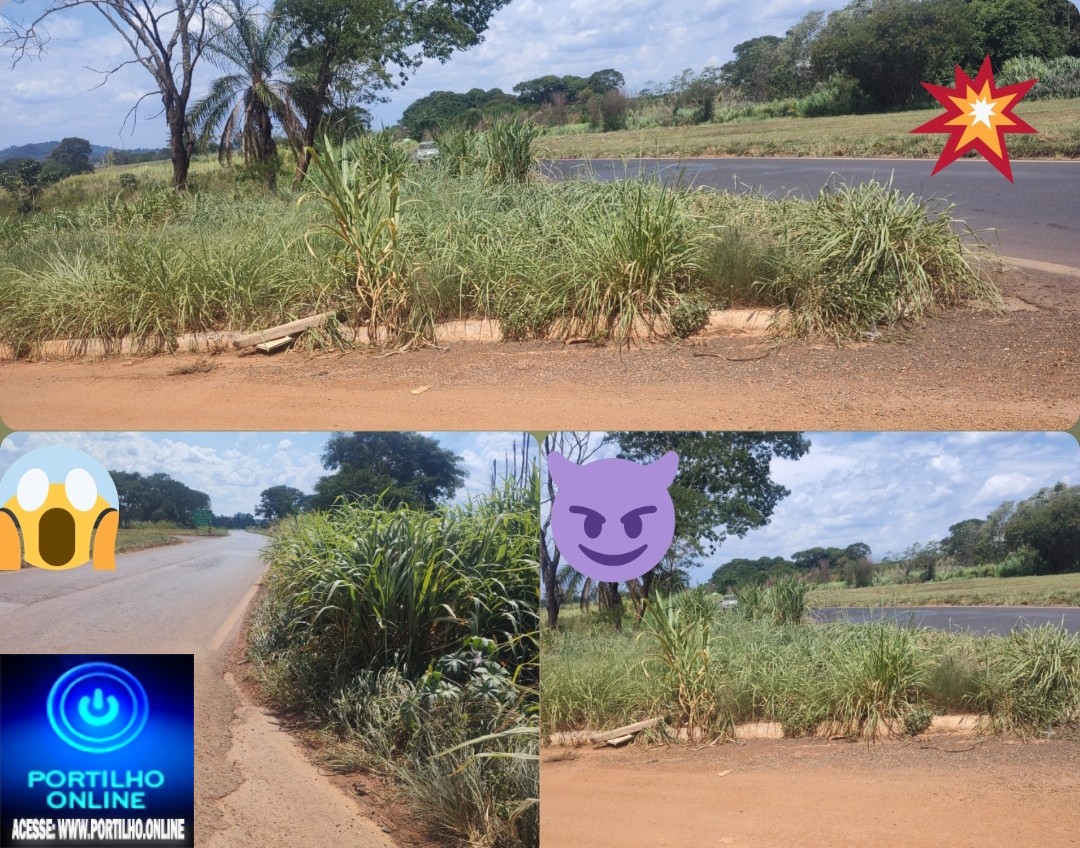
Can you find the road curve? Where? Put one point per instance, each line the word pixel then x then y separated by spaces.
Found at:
pixel 997 621
pixel 253 786
pixel 1036 217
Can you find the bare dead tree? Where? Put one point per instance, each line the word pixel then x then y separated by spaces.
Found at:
pixel 167 39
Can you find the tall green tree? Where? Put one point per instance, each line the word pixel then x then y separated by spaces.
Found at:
pixel 22 179
pixel 246 101
pixel 724 487
pixel 157 497
pixel 1049 523
pixel 1043 28
pixel 752 68
pixel 70 157
pixel 891 46
pixel 280 502
pixel 359 39
pixel 405 468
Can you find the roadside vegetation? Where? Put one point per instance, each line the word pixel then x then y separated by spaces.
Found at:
pixel 707 670
pixel 744 648
pixel 766 133
pixel 1043 591
pixel 156 535
pixel 404 640
pixel 393 247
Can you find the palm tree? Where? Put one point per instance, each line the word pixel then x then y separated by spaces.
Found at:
pixel 247 101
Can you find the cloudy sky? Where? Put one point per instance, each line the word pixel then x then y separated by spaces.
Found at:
pixel 233 468
pixel 892 489
pixel 52 97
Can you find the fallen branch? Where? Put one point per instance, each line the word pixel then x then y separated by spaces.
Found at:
pixel 629 730
pixel 577 738
pixel 281 330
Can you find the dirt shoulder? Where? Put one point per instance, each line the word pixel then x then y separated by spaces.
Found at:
pixel 964 370
pixel 370 799
pixel 952 792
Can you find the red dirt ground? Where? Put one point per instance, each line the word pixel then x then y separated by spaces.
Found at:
pixel 933 793
pixel 964 370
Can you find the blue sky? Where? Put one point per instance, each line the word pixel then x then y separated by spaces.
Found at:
pixel 51 97
pixel 233 468
pixel 892 489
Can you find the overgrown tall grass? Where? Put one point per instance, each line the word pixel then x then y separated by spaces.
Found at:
pixel 409 639
pixel 394 247
pixel 859 257
pixel 360 184
pixel 712 669
pixel 155 268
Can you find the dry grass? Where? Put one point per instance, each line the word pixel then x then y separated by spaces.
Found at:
pixel 850 135
pixel 1050 590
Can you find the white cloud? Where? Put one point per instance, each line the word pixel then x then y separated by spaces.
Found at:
pixel 892 489
pixel 1005 486
pixel 526 39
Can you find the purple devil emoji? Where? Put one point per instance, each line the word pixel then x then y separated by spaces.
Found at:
pixel 613 519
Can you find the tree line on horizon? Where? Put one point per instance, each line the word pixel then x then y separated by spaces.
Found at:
pixel 402 469
pixel 1039 535
pixel 871 55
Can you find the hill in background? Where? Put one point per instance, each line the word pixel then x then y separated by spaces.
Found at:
pixel 40 150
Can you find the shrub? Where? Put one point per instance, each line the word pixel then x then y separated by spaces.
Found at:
pixel 859 257
pixel 459 151
pixel 917 720
pixel 360 185
pixel 1019 563
pixel 608 112
pixel 1058 78
pixel 679 632
pixel 689 316
pixel 410 637
pixel 510 146
pixel 839 95
pixel 786 600
pixel 878 673
pixel 859 573
pixel 1033 680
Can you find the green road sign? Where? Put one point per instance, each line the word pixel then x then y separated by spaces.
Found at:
pixel 203 518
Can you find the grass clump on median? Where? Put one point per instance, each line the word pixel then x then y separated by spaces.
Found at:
pixel 861 257
pixel 407 641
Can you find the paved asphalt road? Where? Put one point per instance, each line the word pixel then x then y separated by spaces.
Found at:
pixel 253 787
pixel 1037 217
pixel 980 620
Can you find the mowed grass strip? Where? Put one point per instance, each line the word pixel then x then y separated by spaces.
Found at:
pixel 1049 590
pixel 863 136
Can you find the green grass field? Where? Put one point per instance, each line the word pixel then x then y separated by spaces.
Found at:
pixel 1051 590
pixel 140 538
pixel 1058 123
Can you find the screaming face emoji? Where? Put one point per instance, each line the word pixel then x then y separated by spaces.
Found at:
pixel 613 519
pixel 62 504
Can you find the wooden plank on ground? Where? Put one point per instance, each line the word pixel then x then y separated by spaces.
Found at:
pixel 281 330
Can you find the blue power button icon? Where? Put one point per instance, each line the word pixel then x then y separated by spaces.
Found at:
pixel 98 707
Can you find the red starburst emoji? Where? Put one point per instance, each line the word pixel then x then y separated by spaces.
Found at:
pixel 977 116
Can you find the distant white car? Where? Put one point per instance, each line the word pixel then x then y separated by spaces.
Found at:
pixel 427 150
pixel 729 602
